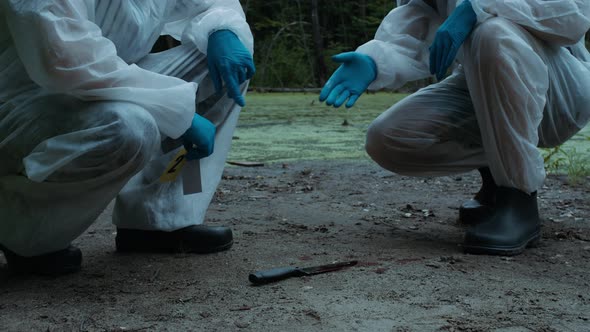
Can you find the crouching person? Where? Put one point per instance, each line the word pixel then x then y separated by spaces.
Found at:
pixel 523 81
pixel 87 115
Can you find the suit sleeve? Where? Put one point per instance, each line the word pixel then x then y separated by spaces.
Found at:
pixel 192 21
pixel 400 46
pixel 561 22
pixel 64 52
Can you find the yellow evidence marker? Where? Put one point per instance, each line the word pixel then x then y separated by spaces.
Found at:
pixel 175 167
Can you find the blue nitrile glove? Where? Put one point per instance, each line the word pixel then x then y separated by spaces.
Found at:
pixel 228 59
pixel 199 139
pixel 350 80
pixel 449 38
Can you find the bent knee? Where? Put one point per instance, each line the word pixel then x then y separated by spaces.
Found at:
pixel 129 132
pixel 492 40
pixel 389 146
pixel 139 132
pixel 375 141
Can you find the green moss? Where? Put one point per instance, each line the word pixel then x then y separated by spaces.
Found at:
pixel 294 126
pixel 282 127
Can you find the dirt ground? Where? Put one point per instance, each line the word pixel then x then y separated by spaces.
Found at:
pixel 411 276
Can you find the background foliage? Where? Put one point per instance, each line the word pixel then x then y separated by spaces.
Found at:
pixel 294 39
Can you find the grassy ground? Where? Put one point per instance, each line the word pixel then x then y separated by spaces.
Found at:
pixel 295 126
pixel 282 127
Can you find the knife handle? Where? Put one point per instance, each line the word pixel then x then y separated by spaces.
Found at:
pixel 268 276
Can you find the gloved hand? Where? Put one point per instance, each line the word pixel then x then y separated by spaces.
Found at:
pixel 228 59
pixel 449 38
pixel 350 80
pixel 199 139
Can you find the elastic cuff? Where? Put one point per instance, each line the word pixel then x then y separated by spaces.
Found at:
pixel 199 30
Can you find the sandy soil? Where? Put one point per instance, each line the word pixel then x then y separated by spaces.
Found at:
pixel 411 276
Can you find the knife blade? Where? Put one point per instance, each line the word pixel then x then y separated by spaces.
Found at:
pixel 281 273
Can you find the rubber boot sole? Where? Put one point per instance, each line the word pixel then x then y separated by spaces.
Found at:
pixel 51 266
pixel 124 246
pixel 532 242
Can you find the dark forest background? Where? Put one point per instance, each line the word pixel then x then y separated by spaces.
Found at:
pixel 294 39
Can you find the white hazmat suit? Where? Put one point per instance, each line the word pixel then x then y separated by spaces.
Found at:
pixel 86 114
pixel 523 82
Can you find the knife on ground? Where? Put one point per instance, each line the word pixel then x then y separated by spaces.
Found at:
pixel 268 276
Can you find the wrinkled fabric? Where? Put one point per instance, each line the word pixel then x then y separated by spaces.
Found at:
pixel 87 49
pixel 114 141
pixel 84 108
pixel 559 22
pixel 407 32
pixel 526 73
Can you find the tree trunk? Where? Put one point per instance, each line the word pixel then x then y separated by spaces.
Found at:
pixel 318 43
pixel 363 15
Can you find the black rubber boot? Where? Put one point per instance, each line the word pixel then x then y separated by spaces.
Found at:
pixel 482 204
pixel 513 226
pixel 56 263
pixel 198 239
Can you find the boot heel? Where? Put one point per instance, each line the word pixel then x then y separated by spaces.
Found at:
pixel 534 243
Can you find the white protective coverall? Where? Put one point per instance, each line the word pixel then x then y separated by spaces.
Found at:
pixel 87 113
pixel 523 81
